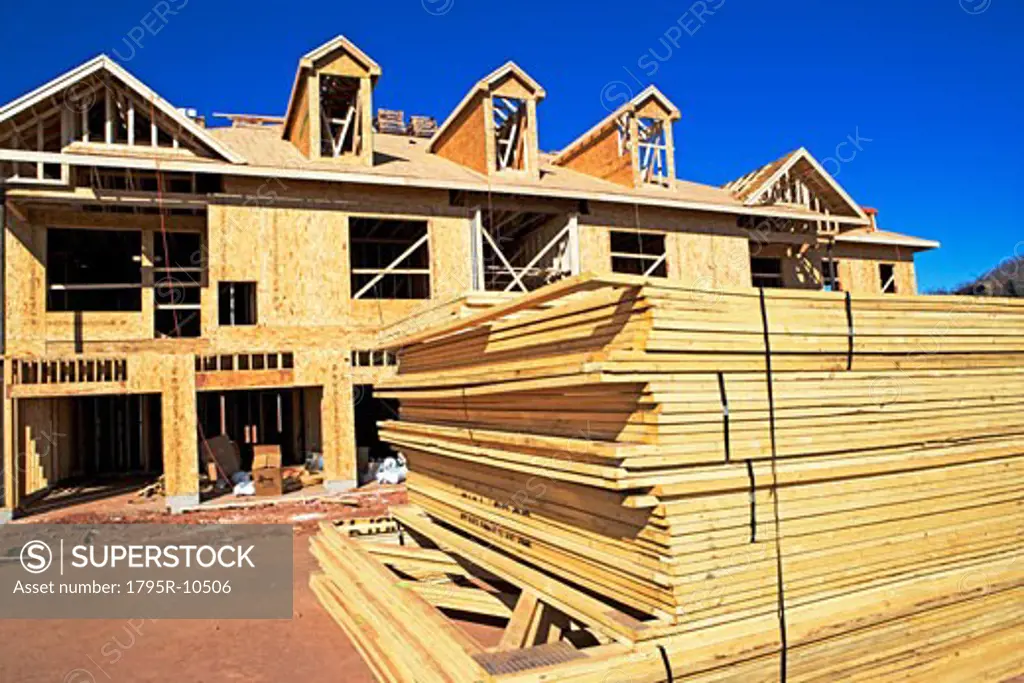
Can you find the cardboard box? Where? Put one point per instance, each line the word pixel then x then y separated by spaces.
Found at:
pixel 266 470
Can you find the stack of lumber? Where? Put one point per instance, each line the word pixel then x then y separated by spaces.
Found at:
pixel 390 121
pixel 422 126
pixel 823 486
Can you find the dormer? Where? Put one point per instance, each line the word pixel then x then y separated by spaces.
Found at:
pixel 632 147
pixel 330 114
pixel 494 129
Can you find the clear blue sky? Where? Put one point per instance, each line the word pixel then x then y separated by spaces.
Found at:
pixel 932 87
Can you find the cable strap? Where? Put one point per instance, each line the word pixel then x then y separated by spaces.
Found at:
pixel 849 332
pixel 725 415
pixel 753 501
pixel 780 580
pixel 668 667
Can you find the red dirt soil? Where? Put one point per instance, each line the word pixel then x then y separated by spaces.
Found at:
pixel 310 647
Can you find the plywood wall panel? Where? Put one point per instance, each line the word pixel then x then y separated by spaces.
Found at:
pixel 179 425
pixel 599 157
pixel 465 140
pixel 25 287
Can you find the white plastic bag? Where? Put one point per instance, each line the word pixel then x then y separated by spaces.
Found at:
pixel 392 471
pixel 243 484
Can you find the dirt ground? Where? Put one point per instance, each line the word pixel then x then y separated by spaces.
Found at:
pixel 309 647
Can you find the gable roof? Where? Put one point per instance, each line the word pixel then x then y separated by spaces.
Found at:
pixel 743 188
pixel 105 63
pixel 339 42
pixel 309 60
pixel 485 84
pixel 751 187
pixel 650 92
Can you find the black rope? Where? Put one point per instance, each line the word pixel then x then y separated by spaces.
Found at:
pixel 753 501
pixel 725 414
pixel 849 332
pixel 780 580
pixel 668 667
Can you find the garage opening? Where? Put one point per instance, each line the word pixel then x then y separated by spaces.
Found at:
pixel 370 450
pixel 79 449
pixel 289 418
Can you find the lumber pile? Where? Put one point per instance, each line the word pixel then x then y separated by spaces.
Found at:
pixel 788 484
pixel 391 121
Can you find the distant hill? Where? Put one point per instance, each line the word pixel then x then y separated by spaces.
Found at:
pixel 1006 279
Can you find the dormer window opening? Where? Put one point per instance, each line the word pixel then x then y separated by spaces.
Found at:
pixel 339 116
pixel 653 151
pixel 509 131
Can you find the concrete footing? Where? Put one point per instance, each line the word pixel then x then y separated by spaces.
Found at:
pixel 339 485
pixel 6 516
pixel 177 504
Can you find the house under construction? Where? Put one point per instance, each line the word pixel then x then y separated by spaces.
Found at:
pixel 165 282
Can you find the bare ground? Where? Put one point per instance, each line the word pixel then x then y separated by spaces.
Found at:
pixel 309 647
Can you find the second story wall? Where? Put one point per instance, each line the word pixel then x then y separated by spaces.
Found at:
pixel 284 249
pixel 296 245
pixel 702 250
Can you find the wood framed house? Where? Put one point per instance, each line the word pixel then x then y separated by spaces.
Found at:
pixel 165 282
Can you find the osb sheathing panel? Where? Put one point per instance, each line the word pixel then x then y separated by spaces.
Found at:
pixel 32 330
pixel 465 140
pixel 342 64
pixel 708 261
pixel 599 157
pixel 511 86
pixel 178 422
pixel 299 258
pixel 858 266
pixel 97 326
pixel 651 109
pixel 25 287
pixel 801 264
pixel 298 131
pixel 704 250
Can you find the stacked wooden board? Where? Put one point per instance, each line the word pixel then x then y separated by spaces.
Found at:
pixel 821 485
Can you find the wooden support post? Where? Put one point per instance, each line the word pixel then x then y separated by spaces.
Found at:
pixel 10 465
pixel 477 251
pixel 108 114
pixel 40 169
pixel 574 243
pixel 66 125
pixel 180 431
pixel 131 122
pixel 337 412
pixel 670 153
pixel 85 124
pixel 315 127
pixel 154 134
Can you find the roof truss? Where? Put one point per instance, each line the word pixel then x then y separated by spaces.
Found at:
pixel 820 176
pixel 102 77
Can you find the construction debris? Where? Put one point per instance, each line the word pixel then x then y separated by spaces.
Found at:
pixel 154 489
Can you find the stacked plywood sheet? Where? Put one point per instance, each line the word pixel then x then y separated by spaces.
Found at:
pixel 821 485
